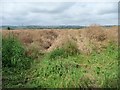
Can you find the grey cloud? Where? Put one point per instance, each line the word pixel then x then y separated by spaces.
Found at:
pixel 108 12
pixel 61 8
pixel 55 13
pixel 108 9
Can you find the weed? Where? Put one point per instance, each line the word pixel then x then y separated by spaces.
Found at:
pixel 64 67
pixel 66 50
pixel 13 54
pixel 14 62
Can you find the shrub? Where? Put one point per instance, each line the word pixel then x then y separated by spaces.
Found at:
pixel 66 50
pixel 71 48
pixel 8 28
pixel 96 32
pixel 13 53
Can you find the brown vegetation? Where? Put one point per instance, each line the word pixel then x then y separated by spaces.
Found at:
pixel 87 39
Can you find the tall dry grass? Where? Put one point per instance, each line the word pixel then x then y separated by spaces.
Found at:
pixel 87 39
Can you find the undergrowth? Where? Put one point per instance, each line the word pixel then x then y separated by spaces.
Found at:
pixel 69 49
pixel 77 70
pixel 64 67
pixel 13 54
pixel 14 62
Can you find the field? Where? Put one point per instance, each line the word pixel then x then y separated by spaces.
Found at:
pixel 58 58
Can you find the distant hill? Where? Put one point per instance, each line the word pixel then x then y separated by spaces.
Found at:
pixel 47 27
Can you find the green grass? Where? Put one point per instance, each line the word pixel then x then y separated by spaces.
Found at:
pixel 13 54
pixel 69 49
pixel 66 67
pixel 95 70
pixel 14 62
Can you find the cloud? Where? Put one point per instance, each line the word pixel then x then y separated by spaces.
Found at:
pixel 53 7
pixel 110 8
pixel 58 13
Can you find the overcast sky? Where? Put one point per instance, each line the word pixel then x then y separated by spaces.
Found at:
pixel 58 13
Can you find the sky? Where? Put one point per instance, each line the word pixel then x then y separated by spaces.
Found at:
pixel 27 12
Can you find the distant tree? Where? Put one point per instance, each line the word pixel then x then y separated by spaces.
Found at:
pixel 8 28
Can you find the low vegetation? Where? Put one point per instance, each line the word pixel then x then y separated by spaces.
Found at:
pixel 13 54
pixel 95 70
pixel 65 66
